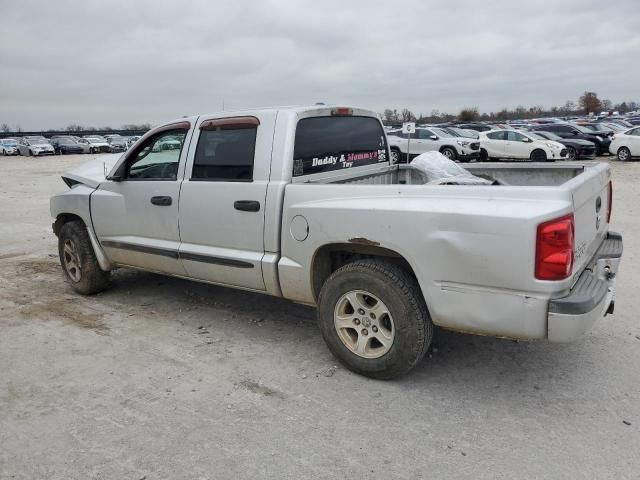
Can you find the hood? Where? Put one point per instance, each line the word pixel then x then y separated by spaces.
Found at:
pixel 580 141
pixel 93 172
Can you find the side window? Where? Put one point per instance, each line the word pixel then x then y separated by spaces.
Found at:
pixel 496 135
pixel 424 134
pixel 158 158
pixel 225 153
pixel 635 131
pixel 514 136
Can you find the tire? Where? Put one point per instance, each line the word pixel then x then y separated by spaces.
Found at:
pixel 484 156
pixel 30 153
pixel 538 156
pixel 571 153
pixel 624 154
pixel 78 260
pixel 406 327
pixel 396 156
pixel 92 150
pixel 450 153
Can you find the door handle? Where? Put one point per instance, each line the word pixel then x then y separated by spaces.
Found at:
pixel 247 205
pixel 161 200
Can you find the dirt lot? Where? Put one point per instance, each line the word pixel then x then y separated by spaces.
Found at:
pixel 159 378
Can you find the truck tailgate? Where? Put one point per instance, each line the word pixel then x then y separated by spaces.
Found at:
pixel 590 192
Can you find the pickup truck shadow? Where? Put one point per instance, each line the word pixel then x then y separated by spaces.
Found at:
pixel 453 357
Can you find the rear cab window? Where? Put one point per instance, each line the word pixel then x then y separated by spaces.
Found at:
pixel 325 144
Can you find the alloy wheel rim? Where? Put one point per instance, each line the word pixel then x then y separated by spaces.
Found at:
pixel 571 154
pixel 447 153
pixel 364 324
pixel 623 154
pixel 71 260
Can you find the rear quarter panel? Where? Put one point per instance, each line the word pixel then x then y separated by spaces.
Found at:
pixel 472 249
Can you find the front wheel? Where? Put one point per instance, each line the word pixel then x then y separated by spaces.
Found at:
pixel 374 319
pixel 449 152
pixel 571 153
pixel 395 155
pixel 79 261
pixel 624 154
pixel 538 156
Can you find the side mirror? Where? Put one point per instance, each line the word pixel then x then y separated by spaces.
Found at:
pixel 574 132
pixel 526 139
pixel 433 137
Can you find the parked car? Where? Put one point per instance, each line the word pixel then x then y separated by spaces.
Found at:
pixel 519 145
pixel 66 145
pixel 35 146
pixel 310 209
pixel 169 143
pixel 576 148
pixel 463 132
pixel 432 139
pixel 626 145
pixel 117 144
pixel 567 130
pixel 9 146
pixel 478 127
pixel 599 128
pixel 94 145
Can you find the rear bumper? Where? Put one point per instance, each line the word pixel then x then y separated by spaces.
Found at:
pixel 590 298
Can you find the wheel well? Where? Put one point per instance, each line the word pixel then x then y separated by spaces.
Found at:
pixel 330 258
pixel 64 218
pixel 448 146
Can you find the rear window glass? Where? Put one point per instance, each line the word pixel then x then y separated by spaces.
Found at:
pixel 326 144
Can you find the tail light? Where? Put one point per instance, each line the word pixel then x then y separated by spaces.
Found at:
pixel 554 248
pixel 609 201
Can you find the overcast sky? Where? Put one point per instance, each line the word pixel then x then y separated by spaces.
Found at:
pixel 105 62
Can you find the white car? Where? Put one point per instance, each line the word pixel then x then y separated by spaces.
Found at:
pixel 626 145
pixel 8 146
pixel 517 145
pixel 94 145
pixel 432 139
pixel 35 146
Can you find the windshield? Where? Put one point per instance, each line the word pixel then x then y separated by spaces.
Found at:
pixel 582 129
pixel 9 142
pixel 37 140
pixel 465 133
pixel 94 140
pixel 551 136
pixel 615 127
pixel 535 136
pixel 443 132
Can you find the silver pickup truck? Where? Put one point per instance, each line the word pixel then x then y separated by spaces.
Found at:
pixel 304 203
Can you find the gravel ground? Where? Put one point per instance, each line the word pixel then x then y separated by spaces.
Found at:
pixel 160 378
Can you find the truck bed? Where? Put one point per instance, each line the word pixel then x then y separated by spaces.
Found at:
pixel 529 174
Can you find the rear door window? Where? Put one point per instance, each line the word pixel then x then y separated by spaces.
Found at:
pixel 325 144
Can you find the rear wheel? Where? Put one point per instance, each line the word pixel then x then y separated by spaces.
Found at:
pixel 538 156
pixel 79 261
pixel 449 152
pixel 571 153
pixel 624 154
pixel 374 319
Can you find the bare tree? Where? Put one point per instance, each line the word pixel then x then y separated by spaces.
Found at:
pixel 5 127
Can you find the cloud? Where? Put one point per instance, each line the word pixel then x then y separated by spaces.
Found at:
pixel 114 62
